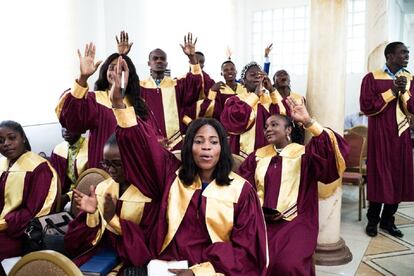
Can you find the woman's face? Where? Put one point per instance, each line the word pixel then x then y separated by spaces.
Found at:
pixel 11 143
pixel 112 163
pixel 206 148
pixel 111 71
pixel 276 131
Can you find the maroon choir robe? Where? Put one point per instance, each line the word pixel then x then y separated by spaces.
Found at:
pixel 28 189
pixel 390 159
pixel 59 161
pixel 168 102
pixel 220 229
pixel 127 232
pixel 79 110
pixel 244 117
pixel 287 182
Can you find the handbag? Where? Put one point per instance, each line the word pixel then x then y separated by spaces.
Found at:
pixel 47 232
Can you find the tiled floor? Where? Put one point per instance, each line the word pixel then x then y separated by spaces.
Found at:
pixel 382 255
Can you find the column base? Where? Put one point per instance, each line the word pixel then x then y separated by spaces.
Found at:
pixel 333 254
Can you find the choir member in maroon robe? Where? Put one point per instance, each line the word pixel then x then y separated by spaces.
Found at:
pixel 169 99
pixel 28 188
pixel 70 159
pixel 208 215
pixel 208 82
pixel 79 110
pixel 115 216
pixel 244 115
pixel 386 98
pixel 285 175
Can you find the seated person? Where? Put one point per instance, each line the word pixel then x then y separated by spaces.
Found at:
pixel 355 119
pixel 70 159
pixel 209 216
pixel 286 177
pixel 28 188
pixel 115 216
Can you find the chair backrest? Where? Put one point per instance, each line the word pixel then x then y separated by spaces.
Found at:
pixel 92 176
pixel 58 196
pixel 356 144
pixel 236 158
pixel 362 130
pixel 45 262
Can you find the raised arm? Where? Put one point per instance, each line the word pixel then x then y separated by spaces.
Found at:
pixel 77 109
pixel 146 163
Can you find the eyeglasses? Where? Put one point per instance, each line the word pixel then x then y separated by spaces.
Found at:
pixel 106 164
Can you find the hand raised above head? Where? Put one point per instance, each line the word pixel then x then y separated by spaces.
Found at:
pixel 123 46
pixel 115 94
pixel 268 49
pixel 87 62
pixel 189 47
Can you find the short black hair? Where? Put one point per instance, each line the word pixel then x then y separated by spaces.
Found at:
pixel 227 61
pixel 391 47
pixel 157 49
pixel 189 169
pixel 199 53
pixel 18 128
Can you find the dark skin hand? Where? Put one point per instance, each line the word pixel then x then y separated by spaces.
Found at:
pixel 109 207
pixel 123 46
pixel 189 48
pixel 217 86
pixel 267 83
pixel 181 272
pixel 399 85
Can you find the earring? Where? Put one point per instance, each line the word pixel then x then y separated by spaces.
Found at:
pixel 288 138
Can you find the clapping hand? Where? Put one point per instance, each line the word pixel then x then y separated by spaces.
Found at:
pixel 109 207
pixel 400 84
pixel 86 203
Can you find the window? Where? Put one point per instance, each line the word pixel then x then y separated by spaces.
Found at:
pixel 287 28
pixel 355 59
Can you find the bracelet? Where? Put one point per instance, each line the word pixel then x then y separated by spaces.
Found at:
pixel 311 122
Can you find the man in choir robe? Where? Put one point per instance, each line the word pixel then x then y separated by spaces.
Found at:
pixel 168 98
pixel 244 115
pixel 386 98
pixel 70 159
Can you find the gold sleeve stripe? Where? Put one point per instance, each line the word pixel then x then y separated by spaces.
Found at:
pixel 195 69
pixel 78 91
pixel 116 224
pixel 316 129
pixel 388 96
pixel 204 269
pixel 92 220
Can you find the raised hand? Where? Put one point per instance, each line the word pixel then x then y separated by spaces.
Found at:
pixel 268 49
pixel 115 94
pixel 87 63
pixel 123 46
pixel 267 83
pixel 298 110
pixel 86 203
pixel 189 47
pixel 109 207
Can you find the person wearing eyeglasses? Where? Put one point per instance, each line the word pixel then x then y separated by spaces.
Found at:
pixel 116 216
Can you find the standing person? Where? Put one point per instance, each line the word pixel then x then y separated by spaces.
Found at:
pixel 116 216
pixel 386 100
pixel 209 216
pixel 168 98
pixel 79 110
pixel 244 115
pixel 208 82
pixel 286 176
pixel 70 159
pixel 28 188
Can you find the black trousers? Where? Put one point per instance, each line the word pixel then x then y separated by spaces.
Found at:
pixel 387 215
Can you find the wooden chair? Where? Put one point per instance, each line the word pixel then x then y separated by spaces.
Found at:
pixel 92 176
pixel 355 160
pixel 46 262
pixel 236 158
pixel 361 131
